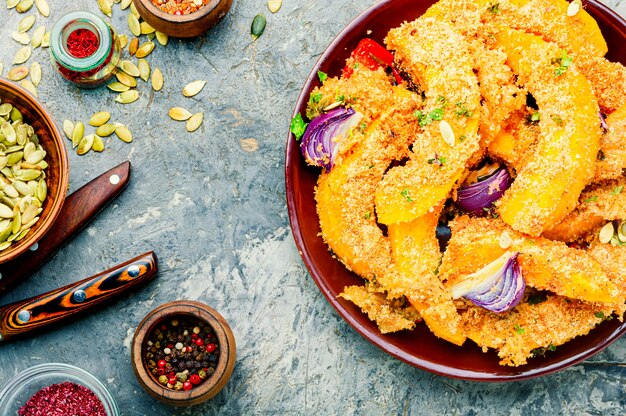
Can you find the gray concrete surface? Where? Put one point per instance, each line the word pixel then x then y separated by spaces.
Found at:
pixel 216 216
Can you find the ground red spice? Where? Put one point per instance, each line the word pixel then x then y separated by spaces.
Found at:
pixel 62 400
pixel 82 43
pixel 179 7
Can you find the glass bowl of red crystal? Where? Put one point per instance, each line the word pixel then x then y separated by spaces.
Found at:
pixel 56 389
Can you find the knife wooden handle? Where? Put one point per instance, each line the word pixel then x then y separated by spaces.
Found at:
pixel 32 314
pixel 79 208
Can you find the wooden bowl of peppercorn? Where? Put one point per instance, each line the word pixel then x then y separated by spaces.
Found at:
pixel 183 353
pixel 184 19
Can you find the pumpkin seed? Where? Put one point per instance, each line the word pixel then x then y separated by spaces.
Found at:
pixel 29 148
pixel 18 73
pixel 193 88
pixel 29 213
pixel 68 128
pixel 35 157
pixel 157 79
pixel 7 130
pixel 125 3
pixel 124 134
pixel 5 212
pixel 194 122
pixel 12 3
pixel 134 25
pixel 5 109
pixel 28 86
pixel 5 245
pixel 105 130
pixel 574 8
pixel 26 227
pixel 127 97
pixel 446 131
pixel 123 40
pixel 35 73
pixel 133 10
pixel 27 174
pixel 38 36
pixel 16 115
pixel 126 79
pixel 42 189
pixel 43 8
pixel 17 220
pixel 22 55
pixel 21 37
pixel 85 144
pixel 621 232
pixel 144 69
pixel 145 50
pixel 258 26
pixel 118 87
pixel 45 42
pixel 145 28
pixel 10 191
pixel 606 233
pixel 6 230
pixel 98 144
pixel 106 7
pixel 99 118
pixel 22 188
pixel 24 6
pixel 22 234
pixel 25 24
pixel 132 48
pixel 274 5
pixel 77 133
pixel 161 37
pixel 130 68
pixel 179 114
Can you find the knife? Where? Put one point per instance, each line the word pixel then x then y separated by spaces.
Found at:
pixel 25 316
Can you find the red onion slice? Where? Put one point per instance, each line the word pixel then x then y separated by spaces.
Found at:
pixel 498 287
pixel 323 137
pixel 478 198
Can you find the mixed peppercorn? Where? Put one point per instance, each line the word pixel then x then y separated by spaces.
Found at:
pixel 179 7
pixel 182 352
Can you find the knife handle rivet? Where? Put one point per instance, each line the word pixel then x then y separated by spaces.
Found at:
pixel 23 316
pixel 114 179
pixel 34 247
pixel 79 296
pixel 133 271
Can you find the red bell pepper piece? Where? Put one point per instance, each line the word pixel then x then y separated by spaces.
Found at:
pixel 373 56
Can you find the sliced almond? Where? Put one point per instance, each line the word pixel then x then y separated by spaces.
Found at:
pixel 606 233
pixel 446 131
pixel 193 88
pixel 179 114
pixel 505 240
pixel 574 7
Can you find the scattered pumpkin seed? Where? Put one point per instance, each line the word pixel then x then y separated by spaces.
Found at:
pixel 68 129
pixel 274 5
pixel 12 3
pixel 7 130
pixel 125 3
pixel 258 26
pixel 249 145
pixel 130 68
pixel 42 189
pixel 127 97
pixel 35 157
pixel 126 79
pixel 5 109
pixel 43 8
pixel 157 79
pixel 144 69
pixel 24 6
pixel 85 144
pixel 99 118
pixel 134 25
pixel 5 245
pixel 161 37
pixel 26 23
pixel 98 144
pixel 123 39
pixel 28 86
pixel 179 114
pixel 574 7
pixel 38 35
pixel 16 115
pixel 18 73
pixel 145 50
pixel 133 10
pixel 21 37
pixel 124 134
pixel 606 233
pixel 35 73
pixel 194 122
pixel 77 133
pixel 29 213
pixel 145 28
pixel 10 191
pixel 22 188
pixel 45 42
pixel 193 88
pixel 106 7
pixel 132 47
pixel 5 212
pixel 105 130
pixel 22 55
pixel 446 131
pixel 118 87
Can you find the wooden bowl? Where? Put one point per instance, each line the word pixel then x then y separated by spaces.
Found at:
pixel 57 173
pixel 187 25
pixel 225 364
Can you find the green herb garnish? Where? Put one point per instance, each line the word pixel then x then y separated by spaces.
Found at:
pixel 519 329
pixel 317 97
pixel 564 62
pixel 367 215
pixel 599 315
pixel 356 65
pixel 462 111
pixel 322 76
pixel 558 120
pixel 405 194
pixel 495 8
pixel 298 126
pixel 617 190
pixel 591 199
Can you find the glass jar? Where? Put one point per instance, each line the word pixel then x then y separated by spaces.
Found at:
pixel 84 49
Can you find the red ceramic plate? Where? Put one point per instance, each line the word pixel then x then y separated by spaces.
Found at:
pixel 420 347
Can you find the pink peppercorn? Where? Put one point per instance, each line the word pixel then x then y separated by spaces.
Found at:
pixel 210 347
pixel 63 399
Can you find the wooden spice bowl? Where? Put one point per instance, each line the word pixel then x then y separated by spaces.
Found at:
pixel 186 25
pixel 225 364
pixel 57 173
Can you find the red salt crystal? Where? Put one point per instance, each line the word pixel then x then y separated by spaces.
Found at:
pixel 63 399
